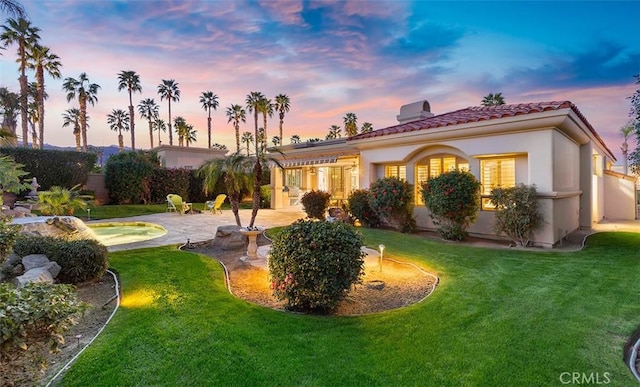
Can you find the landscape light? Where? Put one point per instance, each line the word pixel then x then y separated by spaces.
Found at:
pixel 381 247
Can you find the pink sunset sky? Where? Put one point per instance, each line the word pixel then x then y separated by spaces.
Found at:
pixel 331 58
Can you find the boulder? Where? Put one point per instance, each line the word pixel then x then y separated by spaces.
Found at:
pixel 13 259
pixel 34 260
pixel 229 238
pixel 39 274
pixel 53 268
pixel 65 227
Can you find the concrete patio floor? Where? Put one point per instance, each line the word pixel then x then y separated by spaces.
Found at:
pixel 201 227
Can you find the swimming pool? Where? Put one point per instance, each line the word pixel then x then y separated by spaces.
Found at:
pixel 120 233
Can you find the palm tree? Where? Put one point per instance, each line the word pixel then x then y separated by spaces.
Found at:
pixel 86 92
pixel 235 170
pixel 118 121
pixel 275 140
pixel 247 138
pixel 148 109
pixel 22 33
pixel 266 108
pixel 209 101
pixel 295 139
pixel 492 99
pixel 190 135
pixel 10 104
pixel 334 132
pixel 12 7
pixel 366 127
pixel 282 106
pixel 236 114
pixel 72 117
pixel 130 81
pixel 626 131
pixel 41 60
pixel 169 90
pixel 160 126
pixel 181 128
pixel 252 102
pixel 350 124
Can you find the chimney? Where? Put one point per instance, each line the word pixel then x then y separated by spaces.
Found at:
pixel 414 111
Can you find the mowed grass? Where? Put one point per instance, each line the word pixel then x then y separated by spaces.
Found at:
pixel 498 317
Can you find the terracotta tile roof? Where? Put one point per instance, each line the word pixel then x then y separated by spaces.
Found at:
pixel 476 114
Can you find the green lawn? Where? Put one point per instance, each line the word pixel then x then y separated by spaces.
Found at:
pixel 498 318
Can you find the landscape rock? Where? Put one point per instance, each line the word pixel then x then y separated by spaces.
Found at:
pixel 39 274
pixel 34 260
pixel 65 227
pixel 13 259
pixel 53 268
pixel 229 238
pixel 18 269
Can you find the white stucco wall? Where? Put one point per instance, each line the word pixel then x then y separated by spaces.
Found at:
pixel 620 201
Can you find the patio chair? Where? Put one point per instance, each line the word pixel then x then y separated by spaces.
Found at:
pixel 176 204
pixel 215 205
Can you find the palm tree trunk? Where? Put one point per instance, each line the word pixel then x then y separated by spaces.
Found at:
pixel 264 138
pixel 40 81
pixel 151 133
pixel 234 199
pixel 237 125
pixel 83 122
pixel 121 142
pixel 78 146
pixel 34 136
pixel 209 128
pixel 170 130
pixel 257 172
pixel 281 122
pixel 24 109
pixel 133 125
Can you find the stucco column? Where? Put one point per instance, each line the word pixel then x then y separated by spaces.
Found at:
pixel 277 196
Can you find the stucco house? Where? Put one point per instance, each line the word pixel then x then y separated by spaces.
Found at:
pixel 172 156
pixel 549 144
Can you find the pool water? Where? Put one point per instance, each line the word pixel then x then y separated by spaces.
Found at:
pixel 119 233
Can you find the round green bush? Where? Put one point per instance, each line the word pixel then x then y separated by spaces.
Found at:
pixel 392 200
pixel 315 203
pixel 80 260
pixel 360 208
pixel 314 264
pixel 453 200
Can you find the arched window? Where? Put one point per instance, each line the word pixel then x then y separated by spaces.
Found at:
pixel 433 166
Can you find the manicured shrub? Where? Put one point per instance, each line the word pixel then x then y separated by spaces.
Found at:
pixel 8 234
pixel 164 181
pixel 81 260
pixel 392 200
pixel 518 213
pixel 127 177
pixel 315 203
pixel 453 200
pixel 35 310
pixel 360 208
pixel 54 167
pixel 313 264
